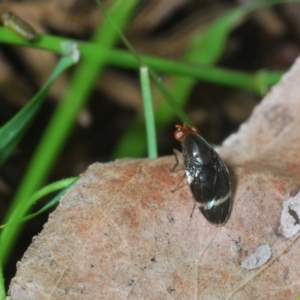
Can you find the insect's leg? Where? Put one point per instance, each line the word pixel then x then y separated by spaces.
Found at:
pixel 176 152
pixel 178 186
pixel 191 215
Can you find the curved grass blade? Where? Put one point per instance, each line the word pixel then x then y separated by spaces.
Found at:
pixel 12 132
pixel 64 184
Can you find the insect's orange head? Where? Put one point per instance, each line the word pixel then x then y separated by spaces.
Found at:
pixel 182 131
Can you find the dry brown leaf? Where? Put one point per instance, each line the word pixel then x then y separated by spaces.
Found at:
pixel 121 233
pixel 174 42
pixel 127 93
pixel 153 13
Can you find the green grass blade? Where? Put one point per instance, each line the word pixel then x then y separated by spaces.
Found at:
pixel 148 112
pixel 64 117
pixel 144 75
pixel 257 82
pixel 2 286
pixel 54 201
pixel 120 58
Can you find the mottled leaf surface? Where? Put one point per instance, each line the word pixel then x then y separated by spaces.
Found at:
pixel 122 233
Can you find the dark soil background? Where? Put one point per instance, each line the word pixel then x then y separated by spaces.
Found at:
pixel 268 39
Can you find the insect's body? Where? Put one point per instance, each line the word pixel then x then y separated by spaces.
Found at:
pixel 207 175
pixel 13 22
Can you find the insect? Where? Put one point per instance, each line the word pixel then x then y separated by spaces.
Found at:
pixel 206 174
pixel 13 22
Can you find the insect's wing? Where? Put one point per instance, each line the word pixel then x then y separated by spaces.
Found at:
pixel 211 189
